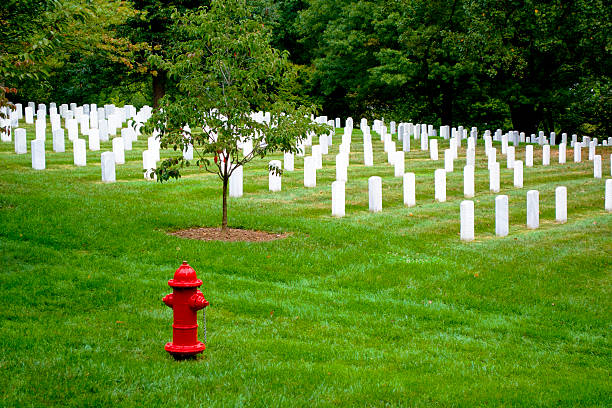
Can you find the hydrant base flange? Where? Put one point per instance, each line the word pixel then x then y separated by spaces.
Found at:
pixel 185 351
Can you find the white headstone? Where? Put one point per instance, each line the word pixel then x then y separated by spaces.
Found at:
pixel 467 220
pixel 510 157
pixel 390 152
pixel 149 165
pixel 108 167
pixel 433 149
pixel 310 172
pixel 494 177
pixel 341 167
pixel 608 196
pixel 84 121
pixel 80 152
pixel 529 156
pixel 118 150
pixel 58 141
pixel 448 160
pixel 561 204
pixel 470 156
pixel 73 129
pixel 492 157
pixel 597 166
pixel 318 157
pixel 38 154
pixel 468 181
pixel 324 144
pixel 592 145
pixel 577 152
pixel 127 140
pixel 187 152
pixel 518 174
pixel 94 140
pixel 103 130
pixel 504 143
pixel 288 161
pixel 562 153
pixel 440 185
pixel 338 199
pixel 29 115
pixel 406 140
pixel 424 141
pixel 533 209
pixel 56 122
pixel 236 182
pixel 454 147
pixel 409 189
pixel 368 156
pixel 153 144
pixel 398 163
pixel 21 146
pixel 41 127
pixel 274 179
pixel 375 193
pixel 546 155
pixel 501 216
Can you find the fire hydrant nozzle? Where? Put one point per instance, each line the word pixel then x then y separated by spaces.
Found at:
pixel 197 301
pixel 185 301
pixel 168 299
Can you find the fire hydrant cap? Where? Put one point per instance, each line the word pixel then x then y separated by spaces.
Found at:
pixel 185 277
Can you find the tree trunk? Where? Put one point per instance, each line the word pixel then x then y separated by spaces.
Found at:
pixel 446 115
pixel 525 118
pixel 159 87
pixel 224 220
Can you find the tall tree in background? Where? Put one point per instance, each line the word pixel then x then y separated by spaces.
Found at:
pixel 151 26
pixel 545 56
pixel 30 31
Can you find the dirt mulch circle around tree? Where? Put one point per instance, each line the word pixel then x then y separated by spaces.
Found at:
pixel 229 235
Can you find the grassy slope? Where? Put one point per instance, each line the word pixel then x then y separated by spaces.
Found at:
pixel 365 310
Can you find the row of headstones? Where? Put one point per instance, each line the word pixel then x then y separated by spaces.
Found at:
pixel 446 132
pixel 119 144
pixel 96 134
pixel 533 211
pixel 440 174
pixel 397 158
pixel 314 162
pixel 311 164
pixel 150 156
pixel 424 132
pixel 409 184
pixel 106 120
pixel 467 206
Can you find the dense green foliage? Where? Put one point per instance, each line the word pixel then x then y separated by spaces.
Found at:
pixel 523 64
pixel 385 309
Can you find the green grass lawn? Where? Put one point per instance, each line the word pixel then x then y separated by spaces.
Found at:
pixel 368 310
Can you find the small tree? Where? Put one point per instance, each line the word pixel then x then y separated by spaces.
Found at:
pixel 225 70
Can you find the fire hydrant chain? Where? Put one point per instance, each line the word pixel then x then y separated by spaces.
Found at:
pixel 204 318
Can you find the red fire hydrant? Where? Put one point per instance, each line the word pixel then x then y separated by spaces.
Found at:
pixel 185 301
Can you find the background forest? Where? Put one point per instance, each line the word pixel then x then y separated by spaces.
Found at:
pixel 525 65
